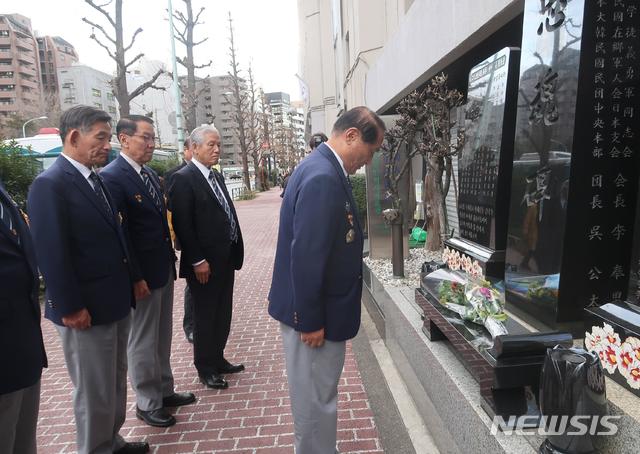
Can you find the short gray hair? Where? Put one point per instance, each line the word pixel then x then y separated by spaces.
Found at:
pixel 197 135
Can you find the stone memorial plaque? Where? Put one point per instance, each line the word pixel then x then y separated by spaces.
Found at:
pixel 574 180
pixel 633 295
pixel 484 164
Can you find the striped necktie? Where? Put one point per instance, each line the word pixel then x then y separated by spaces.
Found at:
pixel 97 188
pixel 6 217
pixel 144 173
pixel 227 209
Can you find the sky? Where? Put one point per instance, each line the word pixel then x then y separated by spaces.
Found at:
pixel 265 32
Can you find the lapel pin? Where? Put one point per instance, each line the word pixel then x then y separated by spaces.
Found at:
pixel 138 198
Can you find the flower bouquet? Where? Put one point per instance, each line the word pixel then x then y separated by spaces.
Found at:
pixel 477 301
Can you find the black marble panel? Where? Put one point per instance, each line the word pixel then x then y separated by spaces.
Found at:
pixel 484 164
pixel 633 295
pixel 574 179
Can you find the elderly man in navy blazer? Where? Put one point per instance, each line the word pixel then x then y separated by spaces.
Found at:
pixel 83 257
pixel 22 352
pixel 317 276
pixel 138 197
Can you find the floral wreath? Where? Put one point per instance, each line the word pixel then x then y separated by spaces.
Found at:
pixel 614 354
pixel 456 261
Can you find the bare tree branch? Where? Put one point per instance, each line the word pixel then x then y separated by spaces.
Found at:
pixel 105 47
pixel 99 27
pixel 200 42
pixel 148 84
pixel 133 38
pixel 101 9
pixel 136 58
pixel 206 65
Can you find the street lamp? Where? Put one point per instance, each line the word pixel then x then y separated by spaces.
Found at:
pixel 24 134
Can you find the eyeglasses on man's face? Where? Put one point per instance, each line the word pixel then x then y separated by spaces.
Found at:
pixel 146 137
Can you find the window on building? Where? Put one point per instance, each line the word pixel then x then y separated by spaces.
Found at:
pixel 8 74
pixel 96 93
pixel 98 105
pixel 110 96
pixel 4 33
pixel 112 110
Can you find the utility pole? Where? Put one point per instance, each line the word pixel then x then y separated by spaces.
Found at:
pixel 176 87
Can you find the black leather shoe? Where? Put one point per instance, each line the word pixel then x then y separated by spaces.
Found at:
pixel 178 399
pixel 134 447
pixel 228 368
pixel 156 418
pixel 214 381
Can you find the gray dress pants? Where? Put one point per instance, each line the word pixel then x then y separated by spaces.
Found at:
pixel 18 420
pixel 149 348
pixel 97 363
pixel 313 375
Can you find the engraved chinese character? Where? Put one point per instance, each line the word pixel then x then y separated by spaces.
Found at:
pixel 601 17
pixel 601 3
pixel 554 10
pixel 628 112
pixel 595 233
pixel 598 152
pixel 615 137
pixel 627 152
pixel 619 231
pixel 601 32
pixel 616 79
pixel 619 202
pixel 618 16
pixel 617 46
pixel 599 78
pixel 596 181
pixel 616 297
pixel 598 138
pixel 615 107
pixel 617 62
pixel 618 33
pixel 614 153
pixel 620 181
pixel 596 202
pixel 628 133
pixel 543 108
pixel 629 92
pixel 598 123
pixel 598 108
pixel 598 93
pixel 630 32
pixel 631 53
pixel 593 301
pixel 599 62
pixel 594 273
pixel 600 48
pixel 631 73
pixel 631 10
pixel 615 123
pixel 618 3
pixel 617 272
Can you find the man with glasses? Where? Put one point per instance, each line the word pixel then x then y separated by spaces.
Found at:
pixel 140 201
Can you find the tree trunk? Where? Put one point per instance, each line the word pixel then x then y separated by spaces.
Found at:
pixel 433 203
pixel 191 72
pixel 121 91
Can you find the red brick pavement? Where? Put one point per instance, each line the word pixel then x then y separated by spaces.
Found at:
pixel 253 415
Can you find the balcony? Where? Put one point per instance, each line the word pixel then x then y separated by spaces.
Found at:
pixel 27 58
pixel 32 84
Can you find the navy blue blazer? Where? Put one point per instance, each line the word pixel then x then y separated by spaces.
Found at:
pixel 22 352
pixel 317 274
pixel 145 225
pixel 80 248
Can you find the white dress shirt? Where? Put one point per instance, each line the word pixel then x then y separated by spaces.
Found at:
pixel 84 170
pixel 338 158
pixel 137 167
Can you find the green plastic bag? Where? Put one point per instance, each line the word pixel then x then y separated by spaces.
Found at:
pixel 419 234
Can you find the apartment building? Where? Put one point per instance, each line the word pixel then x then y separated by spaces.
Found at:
pixel 80 84
pixel 20 89
pixel 54 53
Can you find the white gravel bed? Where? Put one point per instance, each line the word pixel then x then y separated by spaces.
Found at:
pixel 383 268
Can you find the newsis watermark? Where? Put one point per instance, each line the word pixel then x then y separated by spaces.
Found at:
pixel 556 425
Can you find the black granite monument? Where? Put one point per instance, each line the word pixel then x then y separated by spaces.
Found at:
pixel 574 179
pixel 484 164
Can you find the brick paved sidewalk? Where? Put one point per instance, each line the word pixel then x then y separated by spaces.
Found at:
pixel 253 415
